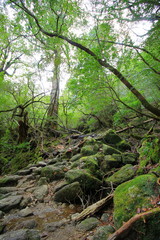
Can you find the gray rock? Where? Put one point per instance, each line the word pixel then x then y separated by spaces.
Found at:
pixel 9 180
pixel 51 227
pixel 25 201
pixel 40 192
pixel 69 193
pixel 108 150
pixel 2 226
pixel 52 173
pixel 1 214
pixel 23 234
pixel 105 217
pixel 26 212
pixel 24 172
pixel 42 181
pixel 103 232
pixel 88 224
pixel 28 224
pixel 4 190
pixel 10 202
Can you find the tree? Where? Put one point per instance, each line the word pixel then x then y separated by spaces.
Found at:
pixel 96 56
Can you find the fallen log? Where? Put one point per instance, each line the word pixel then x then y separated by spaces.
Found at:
pixel 92 208
pixel 125 229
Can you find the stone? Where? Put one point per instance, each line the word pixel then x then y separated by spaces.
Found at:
pixel 88 150
pixel 24 172
pixel 42 181
pixel 105 217
pixel 51 227
pixel 40 192
pixel 25 201
pixel 1 214
pixel 108 150
pixel 87 181
pixel 111 161
pixel 135 194
pixel 76 157
pixel 90 163
pixel 26 212
pixel 6 204
pixel 69 193
pixel 126 173
pixel 23 234
pixel 27 224
pixel 88 224
pixel 4 190
pixel 129 158
pixel 2 226
pixel 110 137
pixel 9 180
pixel 52 173
pixel 123 146
pixel 102 233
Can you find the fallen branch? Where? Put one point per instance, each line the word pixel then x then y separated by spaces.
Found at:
pixel 125 229
pixel 130 127
pixel 92 208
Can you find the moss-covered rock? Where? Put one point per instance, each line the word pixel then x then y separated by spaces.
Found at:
pixel 52 172
pixel 127 172
pixel 88 224
pixel 76 157
pixel 9 180
pixel 129 158
pixel 111 161
pixel 85 179
pixel 89 149
pixel 110 137
pixel 108 150
pixel 90 163
pixel 123 146
pixel 135 194
pixel 103 232
pixel 69 193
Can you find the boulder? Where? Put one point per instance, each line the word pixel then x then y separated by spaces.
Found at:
pixel 88 150
pixel 85 179
pixel 123 146
pixel 26 212
pixel 132 197
pixel 40 192
pixel 110 137
pixel 126 173
pixel 52 173
pixel 76 157
pixel 9 180
pixel 69 193
pixel 111 161
pixel 108 150
pixel 6 204
pixel 89 163
pixel 23 234
pixel 88 224
pixel 103 232
pixel 129 158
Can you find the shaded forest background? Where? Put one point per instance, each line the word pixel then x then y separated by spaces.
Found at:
pixel 112 73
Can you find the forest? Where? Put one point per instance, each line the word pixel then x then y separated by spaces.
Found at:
pixel 79 119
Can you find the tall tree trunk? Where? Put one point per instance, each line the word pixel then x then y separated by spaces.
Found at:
pixel 54 98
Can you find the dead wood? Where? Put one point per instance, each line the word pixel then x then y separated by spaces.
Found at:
pixel 125 229
pixel 92 208
pixel 137 125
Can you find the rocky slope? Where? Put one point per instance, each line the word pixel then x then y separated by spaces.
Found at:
pixel 40 201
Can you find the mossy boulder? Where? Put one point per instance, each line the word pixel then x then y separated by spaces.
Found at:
pixel 110 137
pixel 89 149
pixel 111 161
pixel 9 180
pixel 69 193
pixel 108 150
pixel 88 224
pixel 90 163
pixel 129 158
pixel 52 173
pixel 135 194
pixel 87 181
pixel 123 146
pixel 103 232
pixel 126 173
pixel 76 157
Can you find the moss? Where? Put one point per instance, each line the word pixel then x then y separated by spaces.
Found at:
pixel 89 150
pixel 108 150
pixel 111 137
pixel 123 146
pixel 85 179
pixel 125 173
pixel 52 173
pixel 134 194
